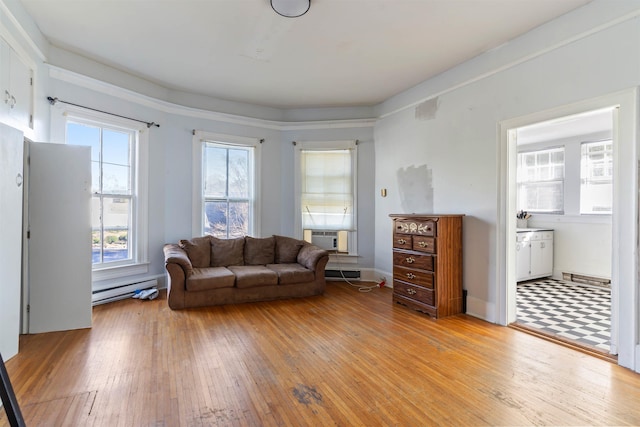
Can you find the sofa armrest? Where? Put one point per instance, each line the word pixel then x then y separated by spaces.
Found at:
pixel 178 268
pixel 310 255
pixel 174 254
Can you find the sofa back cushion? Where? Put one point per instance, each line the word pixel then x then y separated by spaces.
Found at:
pixel 198 250
pixel 287 249
pixel 259 251
pixel 226 252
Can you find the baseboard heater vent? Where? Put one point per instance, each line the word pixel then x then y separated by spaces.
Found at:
pixel 587 280
pixel 342 274
pixel 119 292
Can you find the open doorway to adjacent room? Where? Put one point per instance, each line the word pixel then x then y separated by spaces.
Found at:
pixel 623 225
pixel 564 193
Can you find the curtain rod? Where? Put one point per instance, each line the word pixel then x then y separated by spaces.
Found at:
pixel 53 101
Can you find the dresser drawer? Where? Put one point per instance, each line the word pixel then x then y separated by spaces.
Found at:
pixel 418 293
pixel 417 277
pixel 409 226
pixel 424 244
pixel 402 241
pixel 412 260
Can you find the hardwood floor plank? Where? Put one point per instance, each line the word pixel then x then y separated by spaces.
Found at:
pixel 344 358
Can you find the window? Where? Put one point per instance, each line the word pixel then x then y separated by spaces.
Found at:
pixel 596 177
pixel 327 190
pixel 118 187
pixel 226 185
pixel 540 181
pixel 225 190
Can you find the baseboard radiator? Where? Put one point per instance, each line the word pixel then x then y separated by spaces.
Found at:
pixel 342 274
pixel 120 291
pixel 587 280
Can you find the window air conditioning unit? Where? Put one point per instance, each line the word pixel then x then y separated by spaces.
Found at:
pixel 327 240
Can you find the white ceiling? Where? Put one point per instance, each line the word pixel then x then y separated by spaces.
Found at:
pixel 341 53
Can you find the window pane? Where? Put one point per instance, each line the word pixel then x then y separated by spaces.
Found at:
pixel 116 179
pixel 215 171
pixel 115 147
pixel 226 220
pixel 238 219
pixel 596 177
pixel 215 219
pixel 89 136
pixel 80 134
pixel 116 219
pixel 96 230
pixel 238 174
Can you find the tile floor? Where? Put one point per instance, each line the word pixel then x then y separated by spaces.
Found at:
pixel 579 313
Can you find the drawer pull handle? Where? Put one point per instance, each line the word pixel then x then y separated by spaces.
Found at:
pixel 402 241
pixel 411 276
pixel 411 291
pixel 423 244
pixel 410 260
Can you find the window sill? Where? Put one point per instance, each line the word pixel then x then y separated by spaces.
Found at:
pixel 115 272
pixel 343 258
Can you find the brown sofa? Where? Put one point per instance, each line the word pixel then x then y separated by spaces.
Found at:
pixel 208 271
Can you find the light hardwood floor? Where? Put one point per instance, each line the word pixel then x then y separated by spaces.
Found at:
pixel 345 358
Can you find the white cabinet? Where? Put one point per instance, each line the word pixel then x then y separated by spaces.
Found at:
pixel 16 88
pixel 534 254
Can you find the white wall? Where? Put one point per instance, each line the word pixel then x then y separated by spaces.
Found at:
pixel 454 137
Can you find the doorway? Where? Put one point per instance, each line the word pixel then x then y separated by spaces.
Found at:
pixel 564 187
pixel 624 218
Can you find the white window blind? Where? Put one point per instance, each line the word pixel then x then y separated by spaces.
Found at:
pixel 327 194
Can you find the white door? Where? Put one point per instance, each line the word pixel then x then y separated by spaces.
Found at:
pixel 11 163
pixel 60 237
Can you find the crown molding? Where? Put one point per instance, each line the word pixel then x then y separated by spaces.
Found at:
pixel 99 86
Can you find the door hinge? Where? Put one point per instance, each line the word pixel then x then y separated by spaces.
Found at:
pixel 30 120
pixel 31 81
pixel 28 308
pixel 28 234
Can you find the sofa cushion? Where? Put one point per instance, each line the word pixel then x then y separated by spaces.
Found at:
pixel 292 273
pixel 226 252
pixel 287 249
pixel 198 250
pixel 250 276
pixel 259 251
pixel 204 279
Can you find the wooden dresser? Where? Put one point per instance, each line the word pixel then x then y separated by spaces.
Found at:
pixel 427 263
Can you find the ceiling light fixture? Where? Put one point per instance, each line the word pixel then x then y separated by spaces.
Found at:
pixel 291 8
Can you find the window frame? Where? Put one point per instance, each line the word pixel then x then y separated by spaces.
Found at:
pixel 139 262
pixel 352 239
pixel 200 138
pixel 562 181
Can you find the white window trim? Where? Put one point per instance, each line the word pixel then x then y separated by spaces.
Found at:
pixel 62 113
pixel 352 243
pixel 199 138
